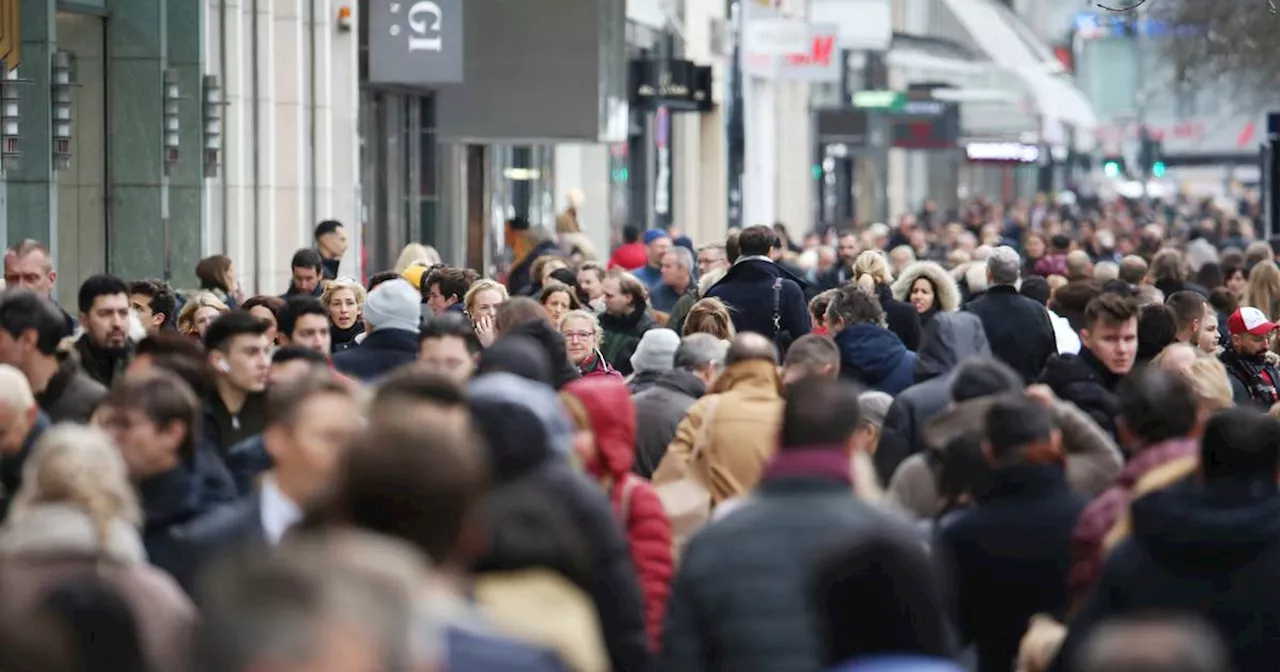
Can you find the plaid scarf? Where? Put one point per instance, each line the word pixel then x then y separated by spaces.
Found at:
pixel 1257 374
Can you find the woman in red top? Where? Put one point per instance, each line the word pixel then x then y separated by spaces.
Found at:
pixel 605 444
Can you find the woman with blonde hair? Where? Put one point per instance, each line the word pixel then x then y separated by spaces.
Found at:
pixel 583 336
pixel 871 271
pixel 343 300
pixel 198 313
pixel 1263 290
pixel 481 307
pixel 76 514
pixel 709 316
pixel 417 254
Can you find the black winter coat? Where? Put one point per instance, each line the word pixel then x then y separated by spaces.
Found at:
pixel 659 411
pixel 1011 555
pixel 1210 549
pixel 381 352
pixel 901 318
pixel 748 291
pixel 1086 382
pixel 1017 328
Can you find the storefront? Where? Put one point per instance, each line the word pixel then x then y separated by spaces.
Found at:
pixel 1002 170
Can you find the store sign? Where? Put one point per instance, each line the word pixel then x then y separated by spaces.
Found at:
pixel 925 124
pixel 415 42
pixel 1002 152
pixel 776 36
pixel 842 125
pixel 819 62
pixel 879 100
pixel 680 86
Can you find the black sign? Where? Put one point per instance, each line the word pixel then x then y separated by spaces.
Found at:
pixel 925 124
pixel 679 86
pixel 846 125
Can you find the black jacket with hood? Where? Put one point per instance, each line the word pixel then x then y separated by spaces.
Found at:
pixel 1212 549
pixel 528 437
pixel 949 339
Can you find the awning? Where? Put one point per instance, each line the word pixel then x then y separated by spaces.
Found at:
pixel 991 29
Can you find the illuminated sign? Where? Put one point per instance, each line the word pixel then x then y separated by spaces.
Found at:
pixel 1002 152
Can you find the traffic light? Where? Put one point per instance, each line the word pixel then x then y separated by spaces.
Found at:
pixel 1111 167
pixel 1151 156
pixel 1157 169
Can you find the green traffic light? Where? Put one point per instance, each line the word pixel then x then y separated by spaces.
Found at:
pixel 1111 168
pixel 1157 169
pixel 817 171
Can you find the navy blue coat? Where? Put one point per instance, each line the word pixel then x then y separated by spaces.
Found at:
pixel 1018 330
pixel 748 291
pixel 383 351
pixel 872 356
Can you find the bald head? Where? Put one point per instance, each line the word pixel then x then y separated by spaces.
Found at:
pixel 17 410
pixel 1079 266
pixel 749 346
pixel 15 391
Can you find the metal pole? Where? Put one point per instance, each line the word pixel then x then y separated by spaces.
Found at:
pixel 1140 90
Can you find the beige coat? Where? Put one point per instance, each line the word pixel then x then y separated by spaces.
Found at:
pixel 52 543
pixel 741 435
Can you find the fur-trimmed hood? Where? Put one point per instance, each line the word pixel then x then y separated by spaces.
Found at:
pixel 947 292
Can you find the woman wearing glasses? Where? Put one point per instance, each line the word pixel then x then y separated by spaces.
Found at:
pixel 582 336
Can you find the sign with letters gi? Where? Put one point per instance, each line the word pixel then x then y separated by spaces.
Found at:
pixel 415 42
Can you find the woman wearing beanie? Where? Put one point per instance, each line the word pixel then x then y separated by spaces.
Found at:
pixel 392 314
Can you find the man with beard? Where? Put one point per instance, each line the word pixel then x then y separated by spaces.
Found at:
pixel 1253 376
pixel 104 348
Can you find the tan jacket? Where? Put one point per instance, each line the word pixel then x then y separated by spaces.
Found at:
pixel 543 608
pixel 741 436
pixel 50 544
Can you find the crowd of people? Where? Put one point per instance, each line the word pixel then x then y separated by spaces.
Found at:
pixel 1034 437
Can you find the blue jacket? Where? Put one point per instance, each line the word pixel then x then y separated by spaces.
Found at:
pixel 748 290
pixel 177 497
pixel 382 351
pixel 476 652
pixel 651 276
pixel 872 356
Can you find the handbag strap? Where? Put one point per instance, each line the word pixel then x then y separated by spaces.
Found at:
pixel 777 306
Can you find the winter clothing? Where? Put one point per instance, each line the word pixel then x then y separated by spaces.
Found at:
pixel 528 437
pixel 517 602
pixel 664 298
pixel 70 395
pixel 1017 328
pixel 1102 513
pixel 1211 549
pixel 629 256
pixel 519 276
pixel 394 304
pixel 872 356
pixel 946 294
pixel 748 289
pixel 742 435
pixel 739 602
pixel 1011 555
pixel 659 411
pixel 898 663
pixel 1051 264
pixel 596 366
pixel 622 334
pixel 221 430
pixel 552 343
pixel 635 502
pixel 246 461
pixel 102 365
pixel 51 544
pixel 656 352
pixel 1087 383
pixel 177 497
pixel 381 352
pixel 341 339
pixel 642 380
pixel 681 311
pixel 1254 380
pixel 901 318
pixel 11 466
pixel 650 276
pixel 948 340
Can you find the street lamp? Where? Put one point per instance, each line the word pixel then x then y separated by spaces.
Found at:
pixel 60 91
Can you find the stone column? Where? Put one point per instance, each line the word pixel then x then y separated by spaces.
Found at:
pixel 186 178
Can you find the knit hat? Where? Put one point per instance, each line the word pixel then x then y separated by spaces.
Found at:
pixel 656 351
pixel 414 275
pixel 874 407
pixel 654 234
pixel 394 304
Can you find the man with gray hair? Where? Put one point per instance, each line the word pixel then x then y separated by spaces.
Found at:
pixel 1017 327
pixel 660 408
pixel 678 279
pixel 21 425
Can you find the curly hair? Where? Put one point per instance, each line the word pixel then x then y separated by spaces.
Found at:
pixel 710 316
pixel 334 286
pixel 187 316
pixel 855 304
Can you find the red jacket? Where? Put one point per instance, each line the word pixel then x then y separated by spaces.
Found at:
pixel 613 419
pixel 629 256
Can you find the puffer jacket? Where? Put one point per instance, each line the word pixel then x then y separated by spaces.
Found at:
pixel 744 406
pixel 873 356
pixel 635 502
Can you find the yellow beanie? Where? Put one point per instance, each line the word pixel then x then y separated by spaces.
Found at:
pixel 414 275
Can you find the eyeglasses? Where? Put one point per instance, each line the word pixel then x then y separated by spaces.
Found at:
pixel 579 335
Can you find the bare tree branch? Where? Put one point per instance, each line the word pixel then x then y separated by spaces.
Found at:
pixel 1234 43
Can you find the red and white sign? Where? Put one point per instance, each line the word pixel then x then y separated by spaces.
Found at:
pixel 819 61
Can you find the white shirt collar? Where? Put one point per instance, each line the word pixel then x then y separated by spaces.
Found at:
pixel 278 512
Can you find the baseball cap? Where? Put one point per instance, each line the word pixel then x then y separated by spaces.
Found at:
pixel 654 234
pixel 1251 320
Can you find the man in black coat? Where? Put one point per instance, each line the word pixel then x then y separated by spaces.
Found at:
pixel 1012 552
pixel 762 296
pixel 1209 546
pixel 1108 351
pixel 1018 328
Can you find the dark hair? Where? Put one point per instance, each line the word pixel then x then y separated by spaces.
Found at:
pixel 1060 243
pixel 565 289
pixel 528 530
pixel 295 307
pixel 164 398
pixel 878 594
pixel 379 278
pixel 307 258
pixel 103 631
pixel 170 343
pixel 1118 287
pixel 1071 300
pixel 293 353
pixel 1224 301
pixel 196 373
pixel 1240 442
pixel 964 470
pixel 982 377
pixel 212 271
pixel 1111 309
pixel 1187 306
pixel 417 386
pixel 285 400
pixel 1157 328
pixel 630 234
pixel 229 325
pixel 520 355
pixel 518 310
pixel 518 224
pixel 1157 405
pixel 757 241
pixel 1210 276
pixel 100 285
pixel 453 282
pixel 733 248
pixel 819 412
pixel 1012 422
pixel 450 324
pixel 414 482
pixel 22 310
pixel 274 304
pixel 1036 288
pixel 163 300
pixel 326 227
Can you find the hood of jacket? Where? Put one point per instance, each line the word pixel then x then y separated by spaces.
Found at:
pixel 613 421
pixel 523 422
pixel 752 374
pixel 946 292
pixel 872 351
pixel 1211 527
pixel 950 338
